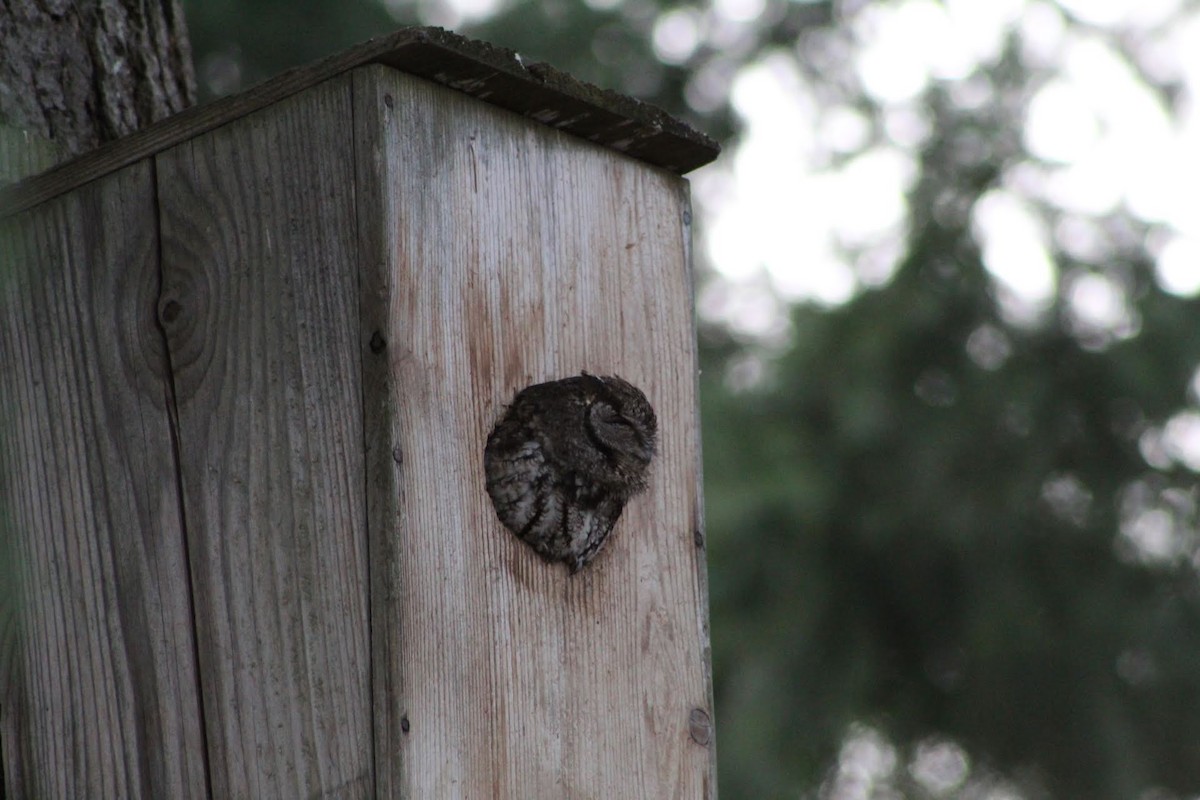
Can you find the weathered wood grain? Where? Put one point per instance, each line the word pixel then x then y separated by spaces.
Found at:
pixel 97 665
pixel 514 254
pixel 260 305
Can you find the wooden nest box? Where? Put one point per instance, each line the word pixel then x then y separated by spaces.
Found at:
pixel 249 361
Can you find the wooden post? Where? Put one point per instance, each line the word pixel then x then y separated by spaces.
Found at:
pixel 250 359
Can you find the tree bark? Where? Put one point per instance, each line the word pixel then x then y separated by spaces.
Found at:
pixel 84 72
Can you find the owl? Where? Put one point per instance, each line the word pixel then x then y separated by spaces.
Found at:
pixel 564 459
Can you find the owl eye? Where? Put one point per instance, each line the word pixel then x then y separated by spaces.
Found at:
pixel 614 434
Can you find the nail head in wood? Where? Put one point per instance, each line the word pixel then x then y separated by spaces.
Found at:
pixel 700 726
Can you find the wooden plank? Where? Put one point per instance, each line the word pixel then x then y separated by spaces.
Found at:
pixel 492 74
pixel 260 306
pixel 97 664
pixel 514 255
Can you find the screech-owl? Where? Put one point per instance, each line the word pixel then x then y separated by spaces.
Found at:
pixel 564 459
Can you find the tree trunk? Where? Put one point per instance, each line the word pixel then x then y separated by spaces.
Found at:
pixel 81 73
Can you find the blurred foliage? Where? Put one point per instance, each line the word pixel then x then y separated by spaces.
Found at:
pixel 236 44
pixel 915 506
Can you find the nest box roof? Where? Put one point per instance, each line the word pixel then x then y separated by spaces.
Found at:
pixel 491 74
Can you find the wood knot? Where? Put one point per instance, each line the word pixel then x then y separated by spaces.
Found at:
pixel 377 343
pixel 169 311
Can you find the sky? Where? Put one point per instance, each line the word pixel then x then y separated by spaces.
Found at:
pixel 808 207
pixel 790 215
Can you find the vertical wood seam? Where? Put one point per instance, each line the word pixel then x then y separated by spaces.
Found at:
pixel 382 459
pixel 362 390
pixel 700 532
pixel 173 427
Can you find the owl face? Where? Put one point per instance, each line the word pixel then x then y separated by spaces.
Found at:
pixel 565 458
pixel 621 425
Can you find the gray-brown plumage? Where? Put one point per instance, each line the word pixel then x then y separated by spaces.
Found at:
pixel 565 458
